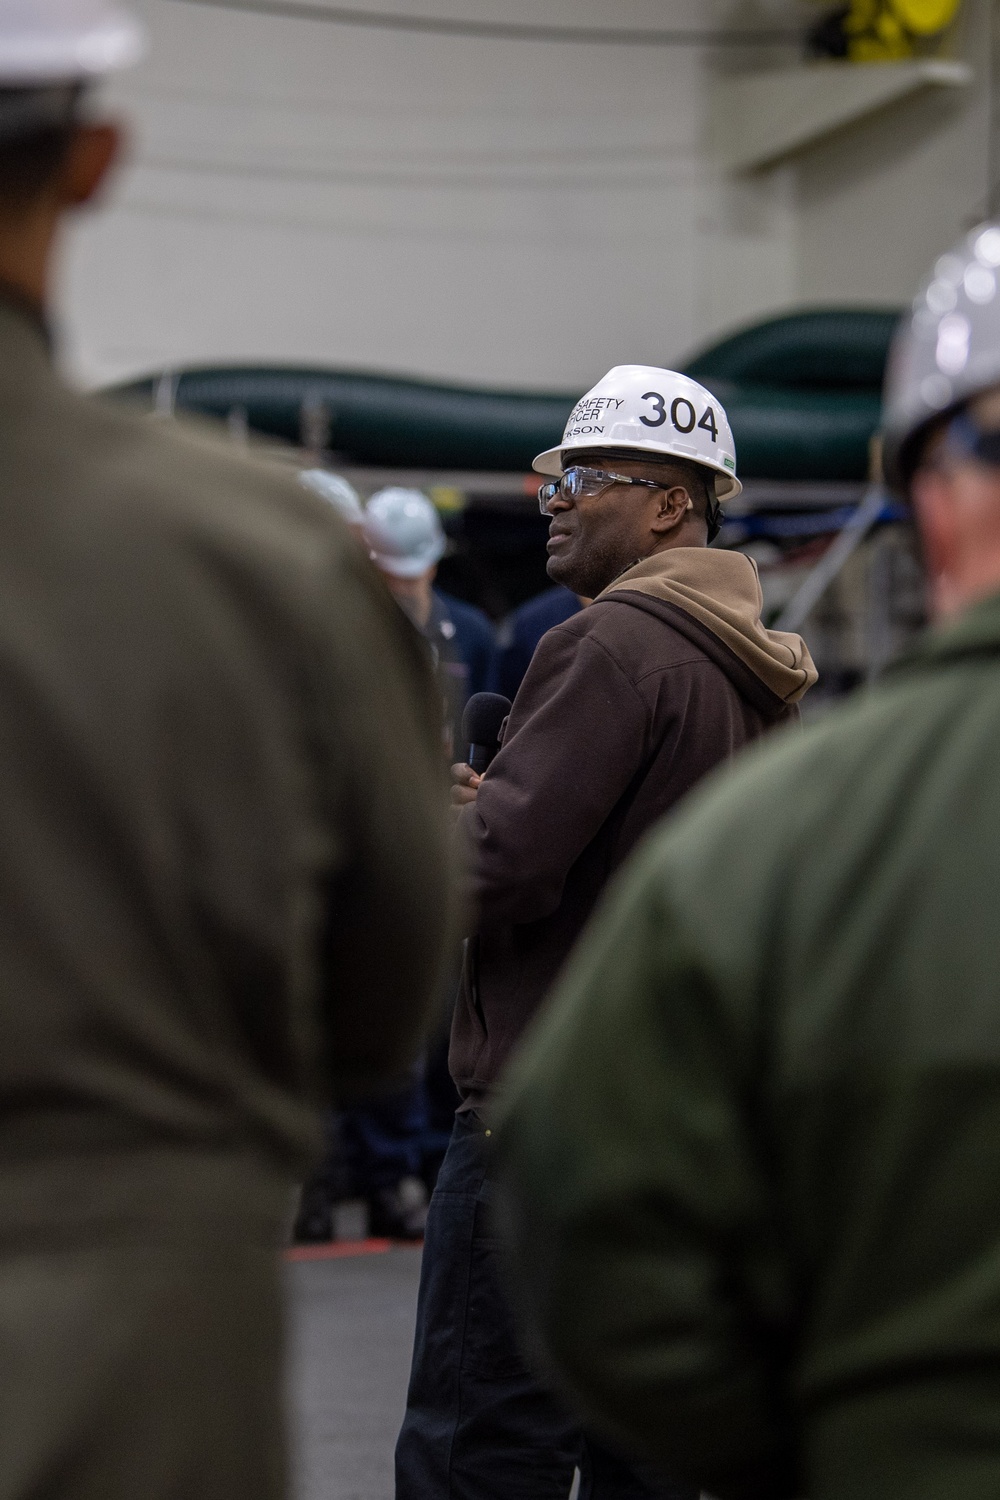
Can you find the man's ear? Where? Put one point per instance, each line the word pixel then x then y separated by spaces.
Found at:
pixel 673 506
pixel 91 154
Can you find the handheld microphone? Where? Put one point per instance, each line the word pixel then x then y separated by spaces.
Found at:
pixel 482 722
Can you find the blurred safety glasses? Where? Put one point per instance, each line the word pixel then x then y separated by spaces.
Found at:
pixel 965 439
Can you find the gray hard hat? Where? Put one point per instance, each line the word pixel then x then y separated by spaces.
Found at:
pixel 946 351
pixel 404 532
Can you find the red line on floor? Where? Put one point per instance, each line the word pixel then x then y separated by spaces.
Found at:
pixel 338 1249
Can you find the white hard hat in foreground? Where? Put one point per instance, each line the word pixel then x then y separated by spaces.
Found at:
pixel 656 412
pixel 947 350
pixel 337 492
pixel 64 41
pixel 404 532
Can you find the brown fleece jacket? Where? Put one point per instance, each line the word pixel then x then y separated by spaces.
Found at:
pixel 623 708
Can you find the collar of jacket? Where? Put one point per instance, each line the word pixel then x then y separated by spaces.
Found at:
pixel 721 590
pixel 975 632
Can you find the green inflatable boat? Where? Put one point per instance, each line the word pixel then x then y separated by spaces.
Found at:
pixel 802 393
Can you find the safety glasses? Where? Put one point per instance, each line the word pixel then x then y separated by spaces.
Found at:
pixel 579 482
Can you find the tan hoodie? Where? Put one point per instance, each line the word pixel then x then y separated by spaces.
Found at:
pixel 721 590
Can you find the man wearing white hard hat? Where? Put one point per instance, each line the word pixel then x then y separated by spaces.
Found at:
pixel 754 1147
pixel 387 1148
pixel 407 541
pixel 219 771
pixel 623 709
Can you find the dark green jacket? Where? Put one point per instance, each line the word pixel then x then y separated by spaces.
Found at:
pixel 753 1151
pixel 222 825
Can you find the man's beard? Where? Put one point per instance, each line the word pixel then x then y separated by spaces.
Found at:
pixel 591 574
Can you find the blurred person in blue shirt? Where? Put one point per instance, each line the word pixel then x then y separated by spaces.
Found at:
pixel 521 631
pixel 388 1149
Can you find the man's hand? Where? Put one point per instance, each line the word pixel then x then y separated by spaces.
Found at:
pixel 465 785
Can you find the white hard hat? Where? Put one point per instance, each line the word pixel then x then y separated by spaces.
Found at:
pixel 947 350
pixel 404 532
pixel 653 411
pixel 64 41
pixel 341 495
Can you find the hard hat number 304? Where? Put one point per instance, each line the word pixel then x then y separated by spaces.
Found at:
pixel 682 415
pixel 646 409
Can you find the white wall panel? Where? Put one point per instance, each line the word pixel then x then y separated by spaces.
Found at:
pixel 493 211
pixel 880 200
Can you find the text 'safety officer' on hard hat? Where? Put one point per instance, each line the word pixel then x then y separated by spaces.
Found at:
pixel 221 767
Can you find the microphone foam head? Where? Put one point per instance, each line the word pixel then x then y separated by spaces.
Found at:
pixel 484 714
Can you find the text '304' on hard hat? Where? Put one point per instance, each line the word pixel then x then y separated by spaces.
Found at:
pixel 946 351
pixel 657 413
pixel 49 48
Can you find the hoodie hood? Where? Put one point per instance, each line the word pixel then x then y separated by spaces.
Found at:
pixel 721 591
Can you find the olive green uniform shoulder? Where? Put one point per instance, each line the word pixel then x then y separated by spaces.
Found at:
pixel 753 1145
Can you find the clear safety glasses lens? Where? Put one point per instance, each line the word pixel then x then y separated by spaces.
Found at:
pixel 546 494
pixel 578 482
pixel 575 484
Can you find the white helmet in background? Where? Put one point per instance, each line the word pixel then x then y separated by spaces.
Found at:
pixel 337 491
pixel 946 351
pixel 404 532
pixel 655 412
pixel 49 47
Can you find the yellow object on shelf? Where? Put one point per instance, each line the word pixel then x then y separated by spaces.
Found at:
pixel 925 17
pixel 861 16
pixel 886 30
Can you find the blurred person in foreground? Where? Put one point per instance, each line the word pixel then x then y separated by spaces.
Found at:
pixel 623 708
pixel 753 1153
pixel 210 804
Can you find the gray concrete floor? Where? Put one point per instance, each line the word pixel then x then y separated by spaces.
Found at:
pixel 349 1360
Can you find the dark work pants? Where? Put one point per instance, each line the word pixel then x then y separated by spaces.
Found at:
pixel 478 1426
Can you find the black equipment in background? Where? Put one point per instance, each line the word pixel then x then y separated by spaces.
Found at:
pixel 482 721
pixel 827 37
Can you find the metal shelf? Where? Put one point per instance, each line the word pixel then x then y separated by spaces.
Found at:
pixel 759 119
